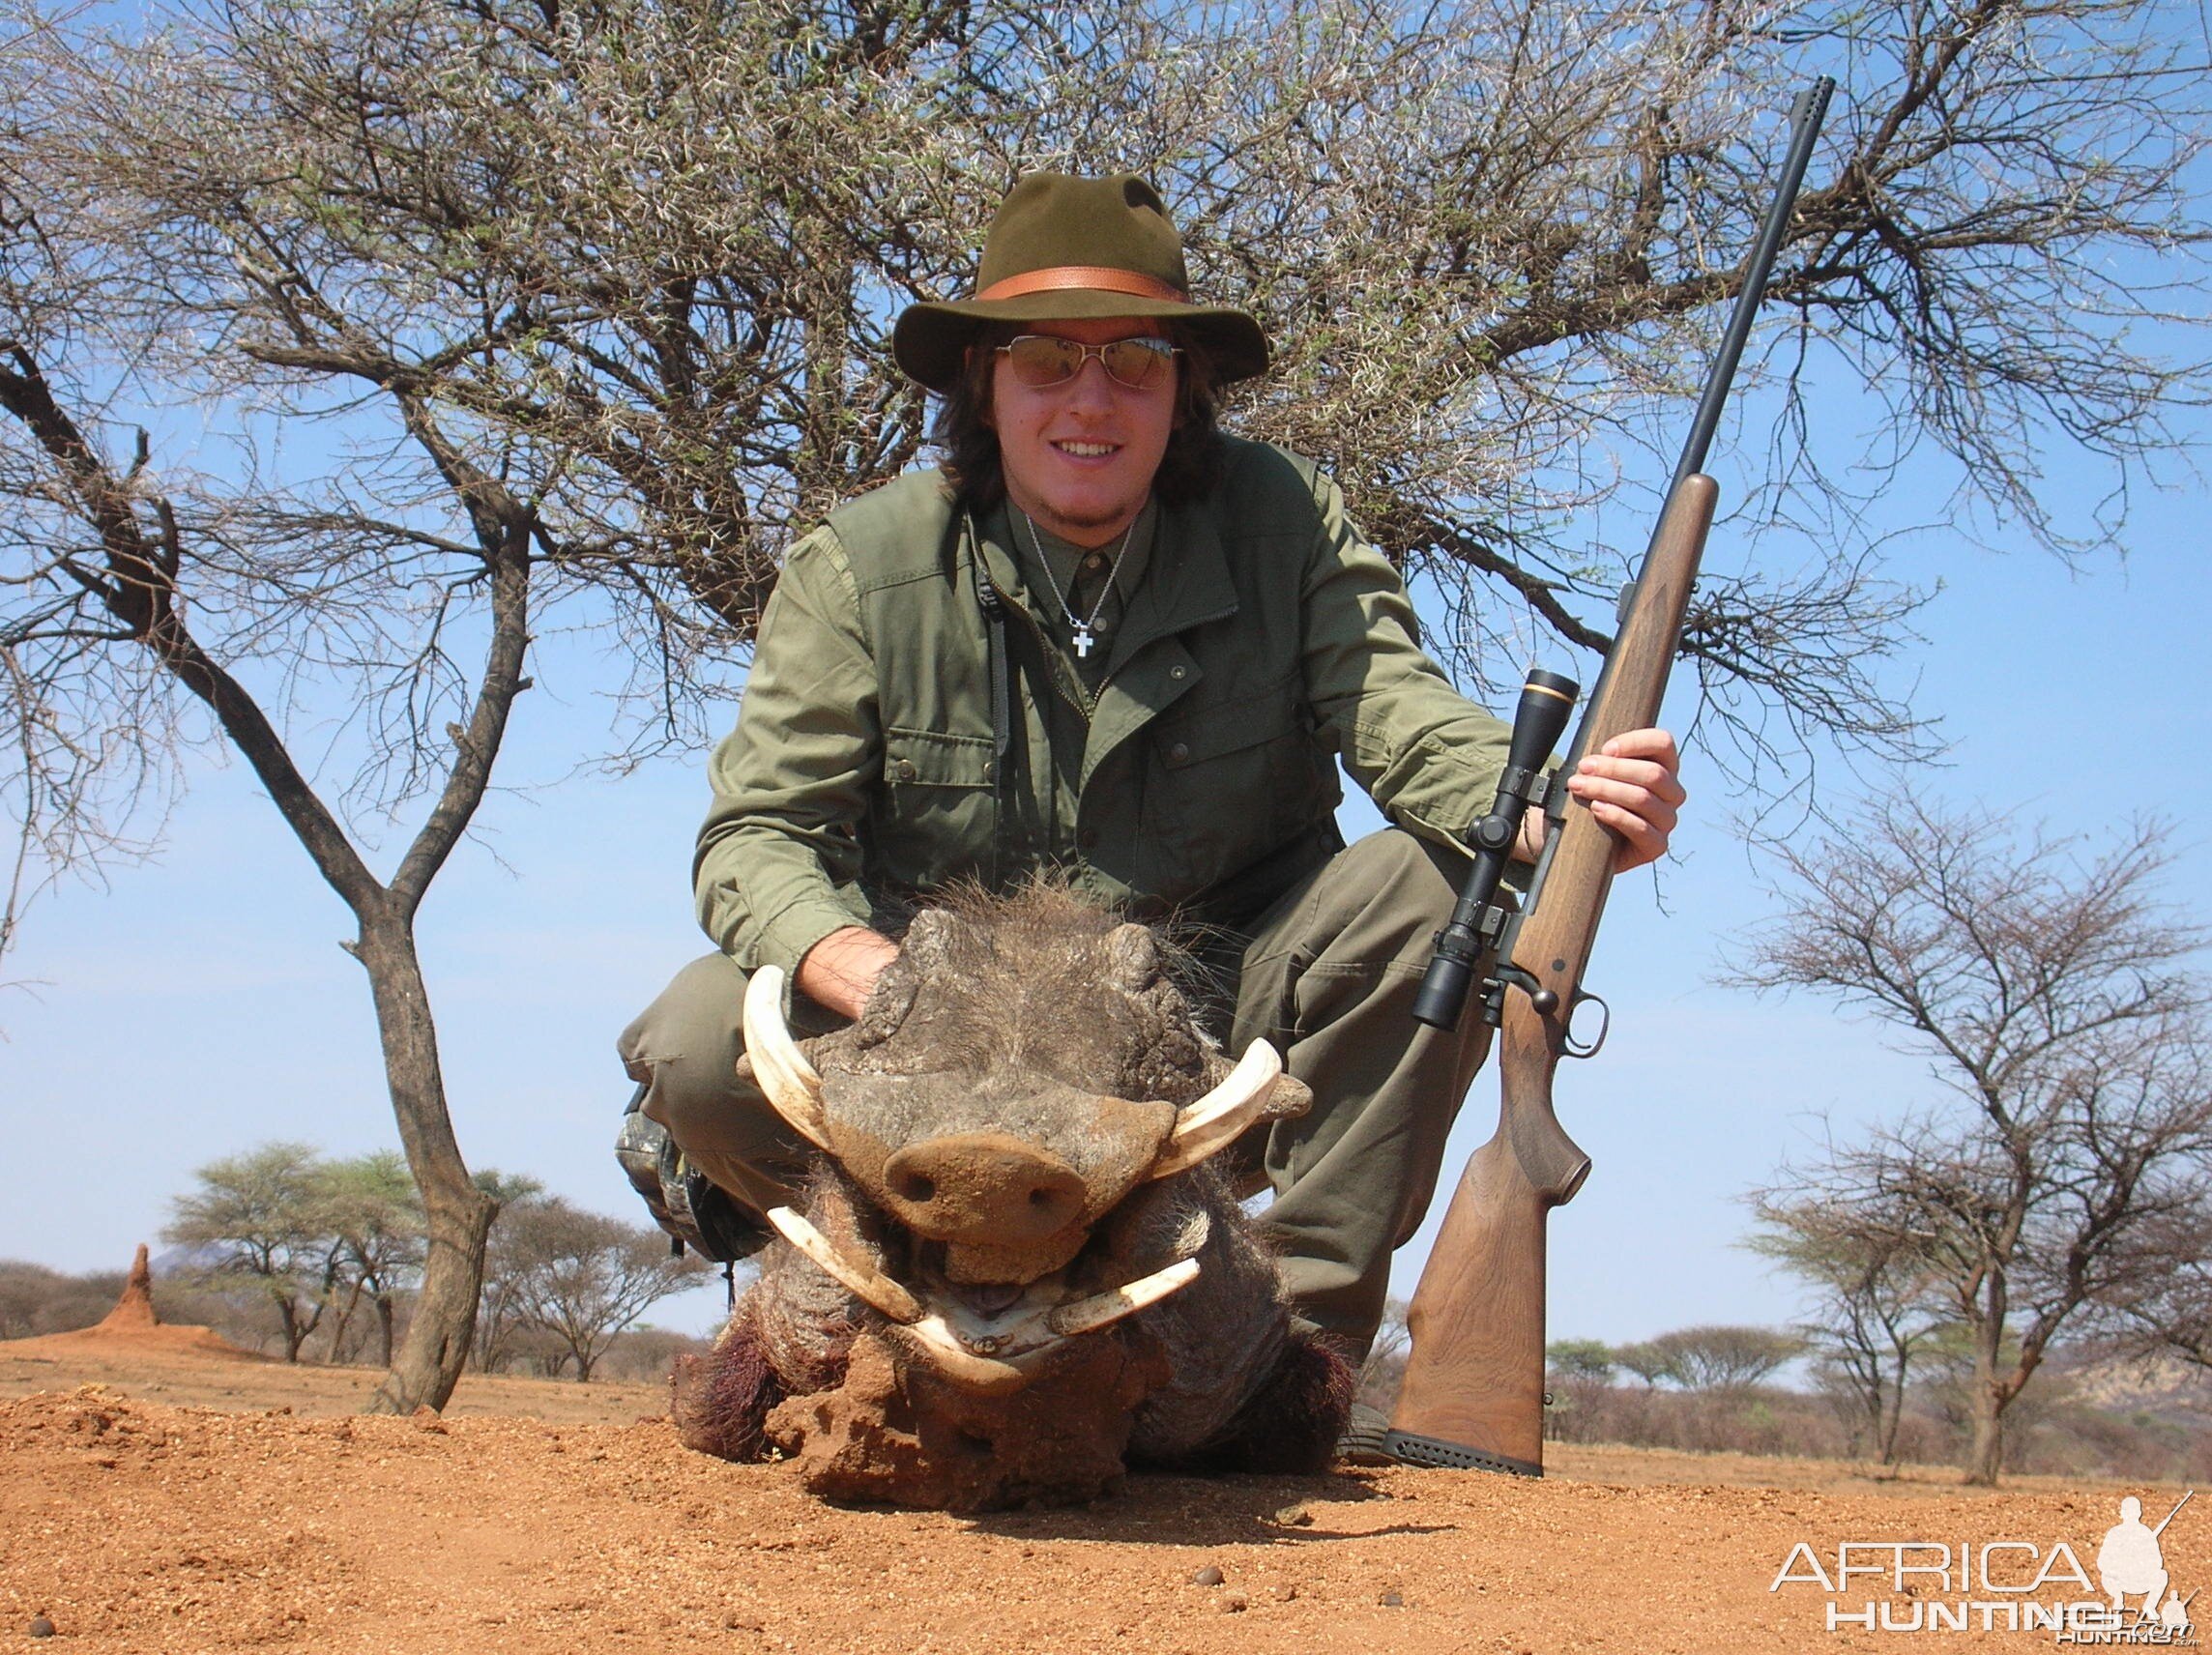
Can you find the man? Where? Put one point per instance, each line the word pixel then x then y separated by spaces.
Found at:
pixel 1110 640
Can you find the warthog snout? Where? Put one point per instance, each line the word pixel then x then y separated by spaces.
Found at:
pixel 983 1187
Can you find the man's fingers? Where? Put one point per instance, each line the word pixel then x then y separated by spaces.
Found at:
pixel 1641 842
pixel 1632 787
pixel 1655 745
pixel 1608 800
pixel 1617 779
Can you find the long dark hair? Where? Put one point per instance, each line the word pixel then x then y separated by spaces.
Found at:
pixel 1189 468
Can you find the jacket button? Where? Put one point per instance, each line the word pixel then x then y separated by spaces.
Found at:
pixel 1175 673
pixel 905 769
pixel 1179 751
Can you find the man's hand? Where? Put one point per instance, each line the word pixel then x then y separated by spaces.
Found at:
pixel 1632 785
pixel 840 971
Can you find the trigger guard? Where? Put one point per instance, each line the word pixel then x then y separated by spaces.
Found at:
pixel 1567 1043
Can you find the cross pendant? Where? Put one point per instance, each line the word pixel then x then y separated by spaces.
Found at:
pixel 1084 639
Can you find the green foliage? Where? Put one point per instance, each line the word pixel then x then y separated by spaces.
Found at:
pixel 1647 1360
pixel 1580 1358
pixel 1723 1359
pixel 312 1235
pixel 1708 1358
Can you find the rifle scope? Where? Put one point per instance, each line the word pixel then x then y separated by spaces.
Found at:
pixel 1547 701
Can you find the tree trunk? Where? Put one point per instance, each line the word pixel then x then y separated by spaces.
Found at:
pixel 1986 1457
pixel 1895 1415
pixel 294 1334
pixel 458 1215
pixel 344 1326
pixel 384 1325
pixel 139 590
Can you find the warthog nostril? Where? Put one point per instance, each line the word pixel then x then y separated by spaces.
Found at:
pixel 916 1187
pixel 987 1188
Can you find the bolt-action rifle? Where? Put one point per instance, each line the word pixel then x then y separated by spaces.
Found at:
pixel 1473 1391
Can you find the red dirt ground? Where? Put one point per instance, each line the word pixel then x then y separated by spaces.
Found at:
pixel 152 1501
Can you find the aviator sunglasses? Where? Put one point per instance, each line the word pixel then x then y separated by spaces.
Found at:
pixel 1042 359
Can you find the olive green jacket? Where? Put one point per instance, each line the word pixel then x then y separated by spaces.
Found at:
pixel 1264 639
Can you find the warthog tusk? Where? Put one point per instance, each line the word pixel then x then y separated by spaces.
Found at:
pixel 864 1282
pixel 787 1078
pixel 991 1363
pixel 1217 1120
pixel 937 1345
pixel 1100 1310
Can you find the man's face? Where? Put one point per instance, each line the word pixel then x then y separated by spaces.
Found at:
pixel 1079 456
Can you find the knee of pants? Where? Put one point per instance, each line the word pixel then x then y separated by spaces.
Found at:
pixel 1421 879
pixel 685 1047
pixel 1385 898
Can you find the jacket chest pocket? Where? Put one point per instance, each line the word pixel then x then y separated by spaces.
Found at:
pixel 1226 782
pixel 937 813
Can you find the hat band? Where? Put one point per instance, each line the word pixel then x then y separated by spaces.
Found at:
pixel 1101 277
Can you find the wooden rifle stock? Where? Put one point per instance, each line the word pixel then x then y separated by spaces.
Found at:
pixel 1476 1373
pixel 1473 1391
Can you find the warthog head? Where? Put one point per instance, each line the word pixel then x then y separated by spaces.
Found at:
pixel 1014 1239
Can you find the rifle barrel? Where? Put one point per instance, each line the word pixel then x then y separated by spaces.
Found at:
pixel 1805 116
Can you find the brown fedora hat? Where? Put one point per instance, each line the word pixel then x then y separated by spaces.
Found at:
pixel 1062 247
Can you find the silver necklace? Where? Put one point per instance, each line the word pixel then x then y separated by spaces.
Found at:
pixel 1085 628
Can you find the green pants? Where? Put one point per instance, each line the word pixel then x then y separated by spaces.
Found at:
pixel 1328 974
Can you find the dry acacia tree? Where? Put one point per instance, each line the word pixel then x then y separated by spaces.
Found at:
pixel 2064 1170
pixel 1874 1284
pixel 345 344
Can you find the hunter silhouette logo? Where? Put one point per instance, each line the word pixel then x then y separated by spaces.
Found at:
pixel 2006 1585
pixel 2132 1562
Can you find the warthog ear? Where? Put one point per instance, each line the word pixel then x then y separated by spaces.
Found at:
pixel 1132 959
pixel 930 940
pixel 889 1003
